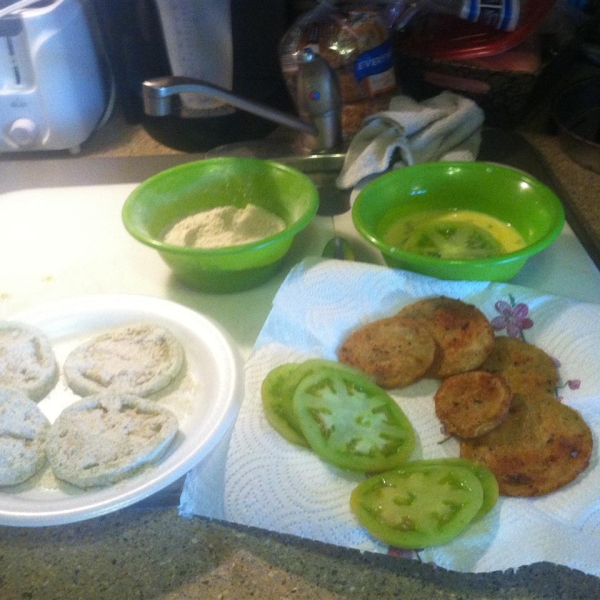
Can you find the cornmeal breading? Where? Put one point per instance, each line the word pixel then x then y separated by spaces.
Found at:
pixel 394 351
pixel 27 361
pixel 527 368
pixel 541 446
pixel 107 437
pixel 23 430
pixel 471 404
pixel 139 358
pixel 463 334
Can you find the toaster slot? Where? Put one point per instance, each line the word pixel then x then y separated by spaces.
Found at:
pixel 13 54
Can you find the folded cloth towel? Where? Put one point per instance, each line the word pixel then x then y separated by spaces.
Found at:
pixel 446 127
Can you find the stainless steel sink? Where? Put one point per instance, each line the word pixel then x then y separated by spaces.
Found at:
pixel 315 163
pixel 323 170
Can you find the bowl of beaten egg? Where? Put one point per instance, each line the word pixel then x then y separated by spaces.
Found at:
pixel 222 224
pixel 458 220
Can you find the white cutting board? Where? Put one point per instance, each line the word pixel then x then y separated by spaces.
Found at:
pixel 68 241
pixel 61 242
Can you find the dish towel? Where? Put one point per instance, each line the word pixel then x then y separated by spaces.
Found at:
pixel 446 127
pixel 264 481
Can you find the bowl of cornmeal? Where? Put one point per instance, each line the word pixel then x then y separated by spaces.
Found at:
pixel 458 220
pixel 222 224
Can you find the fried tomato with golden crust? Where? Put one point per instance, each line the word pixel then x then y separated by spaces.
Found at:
pixel 471 404
pixel 541 446
pixel 463 334
pixel 527 368
pixel 394 351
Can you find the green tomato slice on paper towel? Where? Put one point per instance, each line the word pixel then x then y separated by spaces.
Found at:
pixel 277 393
pixel 352 423
pixel 418 505
pixel 488 480
pixel 277 403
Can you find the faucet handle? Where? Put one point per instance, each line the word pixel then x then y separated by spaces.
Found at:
pixel 319 97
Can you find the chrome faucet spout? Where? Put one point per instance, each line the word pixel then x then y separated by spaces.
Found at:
pixel 319 99
pixel 158 93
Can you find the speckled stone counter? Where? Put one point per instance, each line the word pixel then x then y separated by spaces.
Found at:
pixel 581 187
pixel 153 553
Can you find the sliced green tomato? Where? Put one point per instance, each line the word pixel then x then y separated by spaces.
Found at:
pixel 351 422
pixel 277 393
pixel 487 479
pixel 418 505
pixel 277 404
pixel 453 241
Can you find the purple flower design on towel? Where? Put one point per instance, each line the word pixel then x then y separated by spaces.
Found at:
pixel 572 384
pixel 513 317
pixel 403 553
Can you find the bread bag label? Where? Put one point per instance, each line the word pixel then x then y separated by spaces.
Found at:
pixel 355 42
pixel 376 66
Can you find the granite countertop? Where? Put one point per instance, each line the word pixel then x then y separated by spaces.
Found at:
pixel 145 552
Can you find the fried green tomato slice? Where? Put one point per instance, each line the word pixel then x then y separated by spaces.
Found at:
pixel 277 393
pixel 527 368
pixel 473 403
pixel 352 423
pixel 542 446
pixel 394 351
pixel 463 334
pixel 488 480
pixel 418 505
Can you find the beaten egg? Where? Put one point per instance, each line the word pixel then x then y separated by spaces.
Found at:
pixel 453 235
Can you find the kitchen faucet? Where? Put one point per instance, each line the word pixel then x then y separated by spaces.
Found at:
pixel 318 100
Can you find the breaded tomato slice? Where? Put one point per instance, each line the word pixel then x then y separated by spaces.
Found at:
pixel 471 404
pixel 463 334
pixel 395 352
pixel 542 446
pixel 526 367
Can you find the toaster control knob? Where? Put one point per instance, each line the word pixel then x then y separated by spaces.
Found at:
pixel 23 132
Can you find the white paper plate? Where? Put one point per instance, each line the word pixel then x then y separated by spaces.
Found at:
pixel 205 398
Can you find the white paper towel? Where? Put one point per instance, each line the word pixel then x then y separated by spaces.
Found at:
pixel 199 43
pixel 272 484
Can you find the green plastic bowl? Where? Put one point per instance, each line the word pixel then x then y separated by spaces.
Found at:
pixel 157 203
pixel 507 194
